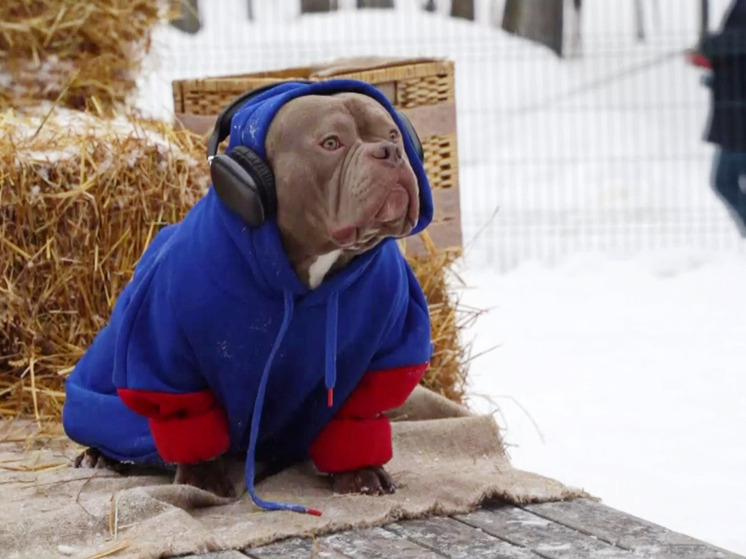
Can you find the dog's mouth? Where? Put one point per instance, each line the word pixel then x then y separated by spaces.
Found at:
pixel 394 207
pixel 394 215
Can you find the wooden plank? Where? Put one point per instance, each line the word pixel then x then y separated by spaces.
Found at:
pixel 622 529
pixel 377 543
pixel 607 524
pixel 701 551
pixel 295 547
pixel 542 536
pixel 457 540
pixel 217 555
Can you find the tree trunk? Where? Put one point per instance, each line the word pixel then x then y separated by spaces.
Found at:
pixel 188 20
pixel 463 9
pixel 704 20
pixel 315 6
pixel 375 3
pixel 430 6
pixel 537 20
pixel 639 20
pixel 250 8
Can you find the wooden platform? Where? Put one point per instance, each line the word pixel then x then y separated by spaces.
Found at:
pixel 577 529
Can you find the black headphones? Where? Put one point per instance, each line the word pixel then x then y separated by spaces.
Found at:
pixel 242 179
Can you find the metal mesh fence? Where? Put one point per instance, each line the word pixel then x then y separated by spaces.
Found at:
pixel 602 151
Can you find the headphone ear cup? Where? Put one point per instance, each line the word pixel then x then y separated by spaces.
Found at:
pixel 262 176
pixel 237 189
pixel 412 133
pixel 245 184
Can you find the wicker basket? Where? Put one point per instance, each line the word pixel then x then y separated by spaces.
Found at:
pixel 421 88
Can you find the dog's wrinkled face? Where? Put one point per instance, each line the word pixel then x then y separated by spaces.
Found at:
pixel 343 180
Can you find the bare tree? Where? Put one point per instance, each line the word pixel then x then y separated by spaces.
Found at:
pixel 538 20
pixel 316 6
pixel 463 9
pixel 375 3
pixel 188 20
pixel 574 27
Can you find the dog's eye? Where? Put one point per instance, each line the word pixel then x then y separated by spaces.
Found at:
pixel 394 135
pixel 331 143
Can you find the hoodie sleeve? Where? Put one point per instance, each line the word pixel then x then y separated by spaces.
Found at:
pixel 157 376
pixel 360 434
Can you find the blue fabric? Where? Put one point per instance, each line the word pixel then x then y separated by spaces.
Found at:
pixel 214 304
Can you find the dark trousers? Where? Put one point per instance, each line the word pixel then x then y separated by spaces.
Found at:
pixel 729 182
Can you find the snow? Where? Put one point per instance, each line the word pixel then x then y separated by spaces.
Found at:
pixel 64 129
pixel 613 274
pixel 624 378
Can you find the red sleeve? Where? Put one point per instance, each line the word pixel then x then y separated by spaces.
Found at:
pixel 696 58
pixel 360 435
pixel 186 428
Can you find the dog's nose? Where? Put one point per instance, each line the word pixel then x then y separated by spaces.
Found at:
pixel 387 151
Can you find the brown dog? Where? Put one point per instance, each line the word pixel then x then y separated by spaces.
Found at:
pixel 344 183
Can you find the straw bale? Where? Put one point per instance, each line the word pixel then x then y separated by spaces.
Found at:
pixel 81 198
pixel 87 53
pixel 449 366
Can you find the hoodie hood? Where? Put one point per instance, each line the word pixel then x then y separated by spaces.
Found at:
pixel 251 123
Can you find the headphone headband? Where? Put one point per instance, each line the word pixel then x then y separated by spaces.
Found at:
pixel 222 127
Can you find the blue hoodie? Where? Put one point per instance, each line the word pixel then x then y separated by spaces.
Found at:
pixel 214 310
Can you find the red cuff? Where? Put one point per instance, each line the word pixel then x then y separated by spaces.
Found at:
pixel 351 444
pixel 191 439
pixel 186 428
pixel 379 391
pixel 359 436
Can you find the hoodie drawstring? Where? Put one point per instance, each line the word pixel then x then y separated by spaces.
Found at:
pixel 330 369
pixel 257 416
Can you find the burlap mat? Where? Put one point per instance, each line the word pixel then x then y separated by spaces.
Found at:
pixel 48 509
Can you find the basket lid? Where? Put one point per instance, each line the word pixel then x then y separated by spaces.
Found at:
pixel 362 63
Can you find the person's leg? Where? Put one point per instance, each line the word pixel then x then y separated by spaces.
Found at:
pixel 729 182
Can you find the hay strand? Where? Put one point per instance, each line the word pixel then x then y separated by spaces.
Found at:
pixel 450 361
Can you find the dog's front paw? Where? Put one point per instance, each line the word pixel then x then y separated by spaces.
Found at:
pixel 211 476
pixel 94 458
pixel 369 481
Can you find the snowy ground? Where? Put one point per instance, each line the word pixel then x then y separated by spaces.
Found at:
pixel 614 276
pixel 625 378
